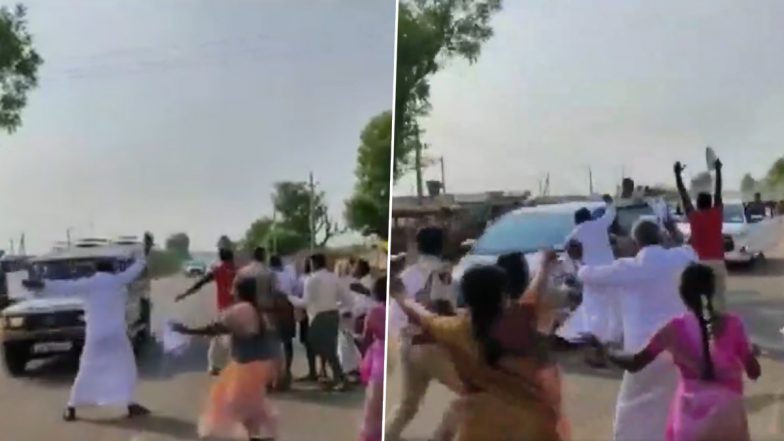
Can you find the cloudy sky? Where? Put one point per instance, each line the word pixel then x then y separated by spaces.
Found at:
pixel 180 115
pixel 611 85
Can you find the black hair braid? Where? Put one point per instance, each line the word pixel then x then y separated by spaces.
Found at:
pixel 706 327
pixel 483 320
pixel 483 291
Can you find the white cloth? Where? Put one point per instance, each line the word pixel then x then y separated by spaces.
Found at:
pixel 286 281
pixel 107 367
pixel 173 342
pixel 648 289
pixel 414 279
pixel 594 235
pixel 324 292
pixel 348 353
pixel 599 312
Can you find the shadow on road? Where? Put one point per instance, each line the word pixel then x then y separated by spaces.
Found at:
pixel 155 424
pixel 344 400
pixel 772 267
pixel 572 362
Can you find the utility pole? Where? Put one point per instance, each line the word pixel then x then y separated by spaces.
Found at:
pixel 311 211
pixel 590 182
pixel 418 167
pixel 13 252
pixel 274 230
pixel 68 236
pixel 22 248
pixel 443 177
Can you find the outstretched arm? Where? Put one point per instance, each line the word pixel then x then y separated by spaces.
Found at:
pixel 209 330
pixel 609 213
pixel 717 197
pixel 415 312
pixel 133 271
pixel 620 272
pixel 688 207
pixel 209 277
pixel 538 286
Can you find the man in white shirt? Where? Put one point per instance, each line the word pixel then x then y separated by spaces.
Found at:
pixel 322 300
pixel 598 314
pixel 421 361
pixel 647 289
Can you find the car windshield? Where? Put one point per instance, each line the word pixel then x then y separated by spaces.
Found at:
pixel 525 232
pixel 70 269
pixel 734 214
pixel 629 215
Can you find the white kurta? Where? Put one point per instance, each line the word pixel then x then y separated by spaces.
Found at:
pixel 599 312
pixel 647 286
pixel 107 367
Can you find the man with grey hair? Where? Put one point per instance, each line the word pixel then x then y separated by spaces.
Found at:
pixel 647 289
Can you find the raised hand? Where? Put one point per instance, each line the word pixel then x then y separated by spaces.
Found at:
pixel 678 168
pixel 718 164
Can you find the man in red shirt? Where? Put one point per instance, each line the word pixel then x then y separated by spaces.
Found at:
pixel 223 275
pixel 706 223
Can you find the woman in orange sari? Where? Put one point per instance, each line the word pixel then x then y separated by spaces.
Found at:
pixel 238 405
pixel 494 349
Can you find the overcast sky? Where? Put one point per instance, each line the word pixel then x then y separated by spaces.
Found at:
pixel 180 115
pixel 609 84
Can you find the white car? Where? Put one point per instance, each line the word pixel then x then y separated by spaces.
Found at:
pixel 746 238
pixel 37 325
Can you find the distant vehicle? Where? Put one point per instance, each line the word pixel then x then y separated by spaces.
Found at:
pixel 746 238
pixel 194 268
pixel 38 326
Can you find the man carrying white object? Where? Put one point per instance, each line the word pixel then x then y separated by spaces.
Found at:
pixel 107 367
pixel 647 289
pixel 599 312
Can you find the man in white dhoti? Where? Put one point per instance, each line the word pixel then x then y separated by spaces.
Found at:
pixel 599 313
pixel 107 367
pixel 647 289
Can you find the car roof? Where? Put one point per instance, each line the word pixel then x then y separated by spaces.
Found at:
pixel 97 252
pixel 565 207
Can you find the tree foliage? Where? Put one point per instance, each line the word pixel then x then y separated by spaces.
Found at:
pixel 748 184
pixel 291 230
pixel 179 244
pixel 775 176
pixel 368 209
pixel 430 32
pixel 19 63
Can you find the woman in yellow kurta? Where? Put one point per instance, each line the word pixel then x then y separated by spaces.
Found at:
pixel 507 400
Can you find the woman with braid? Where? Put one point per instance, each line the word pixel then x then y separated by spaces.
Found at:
pixel 712 353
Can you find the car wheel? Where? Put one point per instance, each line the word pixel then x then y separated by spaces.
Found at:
pixel 15 357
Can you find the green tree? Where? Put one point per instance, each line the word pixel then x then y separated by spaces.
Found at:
pixel 368 209
pixel 19 64
pixel 775 176
pixel 292 201
pixel 430 32
pixel 748 184
pixel 179 244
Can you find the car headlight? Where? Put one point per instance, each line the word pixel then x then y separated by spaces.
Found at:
pixel 14 322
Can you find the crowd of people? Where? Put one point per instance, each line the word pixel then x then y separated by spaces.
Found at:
pixel 341 319
pixel 499 355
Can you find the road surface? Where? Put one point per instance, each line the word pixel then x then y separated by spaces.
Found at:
pixel 174 389
pixel 756 294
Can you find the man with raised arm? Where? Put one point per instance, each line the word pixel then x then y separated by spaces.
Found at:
pixel 107 366
pixel 706 222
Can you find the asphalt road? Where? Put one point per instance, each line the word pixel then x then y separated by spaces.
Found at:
pixel 756 294
pixel 173 389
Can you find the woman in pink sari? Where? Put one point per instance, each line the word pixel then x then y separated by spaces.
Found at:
pixel 372 369
pixel 712 352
